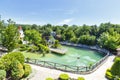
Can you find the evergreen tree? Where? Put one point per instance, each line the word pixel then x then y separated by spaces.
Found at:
pixel 10 36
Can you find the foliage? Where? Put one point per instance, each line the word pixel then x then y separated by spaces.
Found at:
pixel 10 36
pixel 33 36
pixel 114 72
pixel 80 78
pixel 32 48
pixel 87 39
pixel 2 74
pixel 109 40
pixel 108 74
pixel 17 71
pixel 49 78
pixel 2 27
pixel 8 59
pixel 27 70
pixel 56 44
pixel 23 47
pixel 18 56
pixel 74 40
pixel 43 49
pixel 13 64
pixel 115 69
pixel 2 66
pixel 85 34
pixel 64 77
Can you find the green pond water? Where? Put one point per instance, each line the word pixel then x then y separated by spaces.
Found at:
pixel 74 56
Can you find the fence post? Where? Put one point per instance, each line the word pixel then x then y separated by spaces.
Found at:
pixel 86 68
pixel 77 69
pixel 44 63
pixel 35 61
pixel 65 67
pixel 54 65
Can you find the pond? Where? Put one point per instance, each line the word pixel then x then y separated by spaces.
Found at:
pixel 74 56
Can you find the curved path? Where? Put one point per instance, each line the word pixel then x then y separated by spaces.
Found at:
pixel 42 73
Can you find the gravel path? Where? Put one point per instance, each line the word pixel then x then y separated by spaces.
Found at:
pixel 42 73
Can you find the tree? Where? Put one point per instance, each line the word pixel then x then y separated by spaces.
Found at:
pixel 109 40
pixel 33 36
pixel 69 34
pixel 10 36
pixel 87 39
pixel 43 49
pixel 34 26
pixel 56 44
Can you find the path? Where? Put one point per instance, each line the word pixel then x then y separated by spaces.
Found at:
pixel 42 73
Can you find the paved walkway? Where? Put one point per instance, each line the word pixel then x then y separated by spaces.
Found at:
pixel 42 73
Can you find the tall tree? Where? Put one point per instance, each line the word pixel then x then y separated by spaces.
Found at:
pixel 1 29
pixel 33 36
pixel 109 40
pixel 10 36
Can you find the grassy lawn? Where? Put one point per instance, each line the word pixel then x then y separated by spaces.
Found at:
pixel 32 55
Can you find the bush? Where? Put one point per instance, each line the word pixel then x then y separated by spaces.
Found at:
pixel 33 49
pixel 43 48
pixel 81 78
pixel 109 75
pixel 27 70
pixel 8 59
pixel 49 78
pixel 17 71
pixel 2 66
pixel 23 47
pixel 64 77
pixel 115 69
pixel 18 56
pixel 2 74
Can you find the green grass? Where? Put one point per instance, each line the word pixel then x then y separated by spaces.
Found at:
pixel 32 55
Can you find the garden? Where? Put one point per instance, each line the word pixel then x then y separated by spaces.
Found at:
pixel 40 38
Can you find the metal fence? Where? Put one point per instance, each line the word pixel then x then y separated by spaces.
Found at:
pixel 69 68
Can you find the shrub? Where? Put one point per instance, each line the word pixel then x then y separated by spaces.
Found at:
pixel 109 75
pixel 9 58
pixel 43 48
pixel 18 56
pixel 2 66
pixel 27 70
pixel 115 69
pixel 23 47
pixel 64 77
pixel 81 78
pixel 33 49
pixel 17 71
pixel 2 74
pixel 49 78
